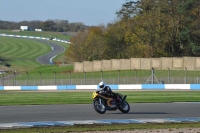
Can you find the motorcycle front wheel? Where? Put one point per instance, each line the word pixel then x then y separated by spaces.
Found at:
pixel 99 107
pixel 124 107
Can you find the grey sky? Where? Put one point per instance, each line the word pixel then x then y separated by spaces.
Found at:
pixel 89 12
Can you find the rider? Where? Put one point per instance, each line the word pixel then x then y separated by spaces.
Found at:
pixel 104 89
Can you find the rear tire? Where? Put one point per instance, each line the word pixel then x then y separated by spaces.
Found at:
pixel 124 107
pixel 100 108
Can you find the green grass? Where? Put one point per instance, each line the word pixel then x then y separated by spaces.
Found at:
pixel 20 53
pixel 45 34
pixel 68 97
pixel 51 69
pixel 26 49
pixel 127 74
pixel 21 48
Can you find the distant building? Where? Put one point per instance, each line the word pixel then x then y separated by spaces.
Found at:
pixel 24 28
pixel 38 29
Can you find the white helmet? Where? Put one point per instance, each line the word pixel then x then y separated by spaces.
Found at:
pixel 102 85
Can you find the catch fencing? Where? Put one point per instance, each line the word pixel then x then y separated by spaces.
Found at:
pixel 93 78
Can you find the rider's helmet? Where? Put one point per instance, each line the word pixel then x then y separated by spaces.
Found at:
pixel 102 85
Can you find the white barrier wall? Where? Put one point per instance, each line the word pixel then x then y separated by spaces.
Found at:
pixel 47 88
pixel 13 88
pixel 177 86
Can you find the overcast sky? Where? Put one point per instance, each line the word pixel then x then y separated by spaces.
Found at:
pixel 89 12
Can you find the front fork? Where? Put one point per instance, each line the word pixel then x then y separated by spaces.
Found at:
pixel 100 102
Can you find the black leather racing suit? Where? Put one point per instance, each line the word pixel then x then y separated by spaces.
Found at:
pixel 108 92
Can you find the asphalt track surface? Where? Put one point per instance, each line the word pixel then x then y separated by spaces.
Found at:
pixel 35 113
pixel 56 49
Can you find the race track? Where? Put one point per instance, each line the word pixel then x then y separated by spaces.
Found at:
pixel 36 113
pixel 56 49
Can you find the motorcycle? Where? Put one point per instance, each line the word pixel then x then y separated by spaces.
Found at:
pixel 101 103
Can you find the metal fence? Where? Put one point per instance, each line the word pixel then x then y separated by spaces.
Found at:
pixel 93 78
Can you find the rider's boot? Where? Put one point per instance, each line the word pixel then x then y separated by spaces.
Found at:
pixel 124 97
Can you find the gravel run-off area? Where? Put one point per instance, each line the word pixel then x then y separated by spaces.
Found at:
pixel 173 130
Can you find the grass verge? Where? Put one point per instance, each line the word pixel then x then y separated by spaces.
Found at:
pixel 75 97
pixel 21 53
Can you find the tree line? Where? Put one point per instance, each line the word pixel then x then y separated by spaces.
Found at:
pixel 48 25
pixel 144 29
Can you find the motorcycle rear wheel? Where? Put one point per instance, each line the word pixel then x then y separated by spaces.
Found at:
pixel 124 107
pixel 100 108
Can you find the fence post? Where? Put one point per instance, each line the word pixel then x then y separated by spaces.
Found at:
pixel 2 78
pixel 101 75
pixel 84 77
pixel 40 78
pixel 168 75
pixel 54 77
pixel 27 79
pixel 152 70
pixel 135 75
pixel 70 78
pixel 118 76
pixel 14 76
pixel 186 75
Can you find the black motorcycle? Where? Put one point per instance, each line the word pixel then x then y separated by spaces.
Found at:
pixel 101 103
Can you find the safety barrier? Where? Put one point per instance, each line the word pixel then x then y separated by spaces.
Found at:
pixel 34 37
pixel 113 87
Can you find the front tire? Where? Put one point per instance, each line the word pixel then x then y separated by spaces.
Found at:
pixel 124 107
pixel 100 108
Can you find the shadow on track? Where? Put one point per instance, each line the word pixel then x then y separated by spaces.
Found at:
pixel 141 113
